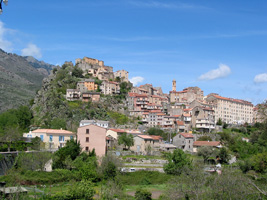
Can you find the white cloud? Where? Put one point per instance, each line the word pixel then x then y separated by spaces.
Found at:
pixel 260 78
pixel 4 44
pixel 31 50
pixel 136 80
pixel 220 72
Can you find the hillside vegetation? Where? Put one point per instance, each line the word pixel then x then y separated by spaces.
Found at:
pixel 52 110
pixel 20 78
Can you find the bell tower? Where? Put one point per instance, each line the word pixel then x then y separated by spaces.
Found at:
pixel 174 85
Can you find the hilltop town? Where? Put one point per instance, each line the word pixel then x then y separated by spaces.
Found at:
pixel 183 110
pixel 90 125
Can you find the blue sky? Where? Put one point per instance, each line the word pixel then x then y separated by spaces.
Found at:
pixel 219 46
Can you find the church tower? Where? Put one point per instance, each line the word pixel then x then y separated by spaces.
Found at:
pixel 174 85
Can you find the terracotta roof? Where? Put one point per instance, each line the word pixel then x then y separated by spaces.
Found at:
pixel 233 100
pixel 188 109
pixel 156 137
pixel 207 143
pixel 118 130
pixel 136 95
pixel 146 137
pixel 155 111
pixel 162 114
pixel 52 131
pixel 180 123
pixel 187 135
pixel 187 115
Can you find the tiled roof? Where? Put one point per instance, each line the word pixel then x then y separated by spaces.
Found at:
pixel 180 123
pixel 155 111
pixel 207 143
pixel 117 130
pixel 187 115
pixel 156 137
pixel 146 137
pixel 136 95
pixel 233 100
pixel 52 131
pixel 187 135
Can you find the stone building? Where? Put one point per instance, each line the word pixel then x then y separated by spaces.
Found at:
pixel 184 141
pixel 87 85
pixel 110 88
pixel 122 74
pixel 187 95
pixel 91 96
pixel 203 119
pixel 231 111
pixel 73 94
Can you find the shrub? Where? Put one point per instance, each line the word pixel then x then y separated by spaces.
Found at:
pixel 142 194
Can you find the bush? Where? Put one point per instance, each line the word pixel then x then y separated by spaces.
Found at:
pixel 142 194
pixel 177 161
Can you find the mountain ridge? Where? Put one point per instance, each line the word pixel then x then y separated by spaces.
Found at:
pixel 20 78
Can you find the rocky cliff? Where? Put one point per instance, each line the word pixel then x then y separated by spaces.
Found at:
pixel 20 78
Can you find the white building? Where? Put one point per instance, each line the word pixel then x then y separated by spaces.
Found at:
pixel 103 124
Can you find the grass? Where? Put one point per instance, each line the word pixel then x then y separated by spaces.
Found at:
pixel 138 157
pixel 158 187
pixel 141 177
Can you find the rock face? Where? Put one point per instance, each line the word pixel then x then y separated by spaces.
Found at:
pixel 20 78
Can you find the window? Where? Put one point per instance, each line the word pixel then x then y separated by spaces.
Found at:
pixel 87 139
pixel 87 131
pixel 42 138
pixel 50 138
pixel 86 148
pixel 61 138
pixel 71 137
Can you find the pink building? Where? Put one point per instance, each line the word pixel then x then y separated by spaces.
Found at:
pixel 92 137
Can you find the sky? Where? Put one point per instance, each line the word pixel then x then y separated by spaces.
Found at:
pixel 219 46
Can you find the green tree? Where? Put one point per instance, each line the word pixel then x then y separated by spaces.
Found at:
pixel 142 194
pixel 205 152
pixel 110 165
pixel 10 136
pixel 82 190
pixel 176 162
pixel 219 122
pixel 33 161
pixel 77 72
pixel 58 123
pixel 204 138
pixel 126 140
pixel 72 149
pixel 259 162
pixel 224 155
pixel 125 87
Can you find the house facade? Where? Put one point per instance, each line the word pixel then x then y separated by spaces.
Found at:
pixel 92 137
pixel 73 94
pixel 91 96
pixel 184 141
pixel 231 111
pixel 53 139
pixel 100 123
pixel 123 74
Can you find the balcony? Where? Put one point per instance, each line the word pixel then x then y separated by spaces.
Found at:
pixel 206 126
pixel 141 102
pixel 205 121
